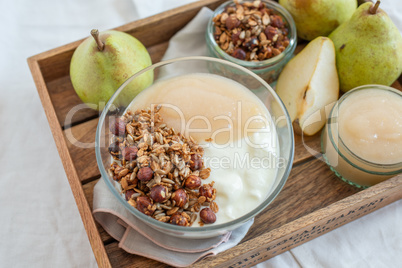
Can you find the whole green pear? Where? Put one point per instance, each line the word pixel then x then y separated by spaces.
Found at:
pixel 101 63
pixel 315 18
pixel 368 48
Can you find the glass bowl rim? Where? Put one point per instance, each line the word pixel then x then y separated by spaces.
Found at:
pixel 332 119
pixel 204 228
pixel 288 50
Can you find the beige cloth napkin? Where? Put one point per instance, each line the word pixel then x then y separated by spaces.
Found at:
pixel 135 236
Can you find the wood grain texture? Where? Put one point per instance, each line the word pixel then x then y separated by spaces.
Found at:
pixel 78 137
pixel 312 202
pixel 65 99
pixel 120 258
pixel 306 148
pixel 398 83
pixel 75 183
pixel 89 195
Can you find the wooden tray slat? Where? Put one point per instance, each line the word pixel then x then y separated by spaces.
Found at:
pixel 398 84
pixel 89 194
pixel 64 98
pixel 84 158
pixel 306 147
pixel 120 258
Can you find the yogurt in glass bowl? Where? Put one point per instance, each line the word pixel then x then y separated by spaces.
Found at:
pixel 218 110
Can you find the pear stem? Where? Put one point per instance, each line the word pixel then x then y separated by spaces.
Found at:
pixel 95 34
pixel 373 8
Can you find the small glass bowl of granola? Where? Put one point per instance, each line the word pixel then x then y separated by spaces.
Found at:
pixel 176 182
pixel 258 35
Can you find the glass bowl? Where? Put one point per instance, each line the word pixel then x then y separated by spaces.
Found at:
pixel 269 69
pixel 202 65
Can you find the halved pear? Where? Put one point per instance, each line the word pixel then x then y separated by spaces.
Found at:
pixel 309 85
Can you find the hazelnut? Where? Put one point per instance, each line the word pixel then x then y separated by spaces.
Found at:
pixel 232 22
pixel 206 190
pixel 180 197
pixel 235 38
pixel 196 162
pixel 158 193
pixel 193 182
pixel 114 149
pixel 129 193
pixel 270 32
pixel 130 153
pixel 145 174
pixel 144 205
pixel 277 21
pixel 239 53
pixel 207 216
pixel 118 127
pixel 178 219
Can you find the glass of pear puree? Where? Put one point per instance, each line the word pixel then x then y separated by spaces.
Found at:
pixel 246 134
pixel 362 140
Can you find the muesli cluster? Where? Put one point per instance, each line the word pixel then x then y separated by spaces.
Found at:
pixel 161 171
pixel 250 31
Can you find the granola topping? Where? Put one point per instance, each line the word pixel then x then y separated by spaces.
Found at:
pixel 160 171
pixel 251 31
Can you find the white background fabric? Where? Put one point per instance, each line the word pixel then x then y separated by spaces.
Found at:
pixel 39 223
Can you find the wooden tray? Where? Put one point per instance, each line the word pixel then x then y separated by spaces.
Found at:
pixel 313 201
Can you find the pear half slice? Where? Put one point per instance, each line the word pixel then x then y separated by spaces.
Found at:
pixel 309 85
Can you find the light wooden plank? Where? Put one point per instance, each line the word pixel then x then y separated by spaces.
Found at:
pixel 89 195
